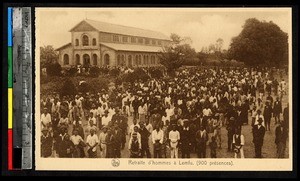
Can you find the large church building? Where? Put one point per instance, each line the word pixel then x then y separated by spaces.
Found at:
pixel 103 44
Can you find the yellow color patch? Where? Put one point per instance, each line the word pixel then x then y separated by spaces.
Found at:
pixel 10 108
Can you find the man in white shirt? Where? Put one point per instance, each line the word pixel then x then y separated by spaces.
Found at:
pixel 238 144
pixel 105 119
pixel 169 112
pixel 76 139
pixel 157 140
pixel 259 116
pixel 92 122
pixel 174 137
pixel 92 141
pixel 45 119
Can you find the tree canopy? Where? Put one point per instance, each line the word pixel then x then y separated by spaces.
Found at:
pixel 177 53
pixel 260 43
pixel 48 55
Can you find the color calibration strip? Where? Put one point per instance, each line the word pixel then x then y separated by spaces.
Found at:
pixel 10 90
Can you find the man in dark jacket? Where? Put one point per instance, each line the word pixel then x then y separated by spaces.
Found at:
pixel 185 140
pixel 258 137
pixel 286 116
pixel 277 110
pixel 110 143
pixel 46 143
pixel 135 104
pixel 201 139
pixel 230 131
pixel 144 140
pixel 118 140
pixel 267 115
pixel 281 135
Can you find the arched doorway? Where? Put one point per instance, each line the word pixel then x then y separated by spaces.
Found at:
pixel 77 59
pixel 129 60
pixel 94 59
pixel 66 59
pixel 86 59
pixel 106 59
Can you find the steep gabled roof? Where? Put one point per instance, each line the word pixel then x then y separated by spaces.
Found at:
pixel 123 30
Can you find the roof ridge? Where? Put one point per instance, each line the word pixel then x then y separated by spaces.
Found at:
pixel 125 26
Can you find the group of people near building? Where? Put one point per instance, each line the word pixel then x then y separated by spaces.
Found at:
pixel 170 117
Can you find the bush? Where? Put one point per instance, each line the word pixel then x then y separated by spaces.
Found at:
pixel 96 85
pixel 156 73
pixel 138 74
pixel 114 72
pixel 94 71
pixel 68 88
pixel 54 69
pixel 72 71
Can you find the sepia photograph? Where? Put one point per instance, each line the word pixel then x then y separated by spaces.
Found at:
pixel 163 88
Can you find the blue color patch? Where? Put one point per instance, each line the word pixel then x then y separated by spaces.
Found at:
pixel 9 26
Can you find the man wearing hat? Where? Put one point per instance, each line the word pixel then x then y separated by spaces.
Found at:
pixel 46 143
pixel 258 137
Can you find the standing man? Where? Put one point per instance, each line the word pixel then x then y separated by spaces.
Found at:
pixel 102 142
pixel 110 144
pixel 174 137
pixel 118 140
pixel 238 143
pixel 277 110
pixel 281 135
pixel 185 140
pixel 144 140
pixel 286 116
pixel 157 140
pixel 267 115
pixel 134 146
pixel 258 137
pixel 230 131
pixel 201 139
pixel 46 143
pixel 92 141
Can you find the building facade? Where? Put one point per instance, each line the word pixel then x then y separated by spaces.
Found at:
pixel 103 44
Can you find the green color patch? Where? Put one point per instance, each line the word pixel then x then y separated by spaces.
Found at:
pixel 10 65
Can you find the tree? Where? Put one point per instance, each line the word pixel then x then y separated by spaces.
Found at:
pixel 219 44
pixel 68 88
pixel 48 56
pixel 54 69
pixel 260 43
pixel 177 53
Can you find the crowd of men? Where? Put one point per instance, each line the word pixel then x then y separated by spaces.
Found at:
pixel 173 115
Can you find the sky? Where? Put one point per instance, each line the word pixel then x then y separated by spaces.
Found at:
pixel 203 25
